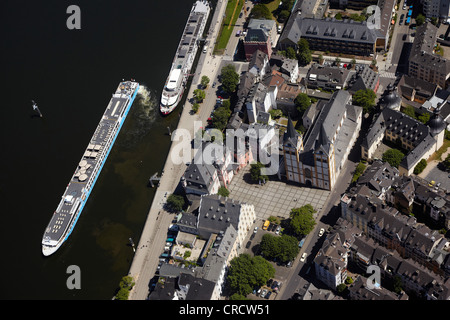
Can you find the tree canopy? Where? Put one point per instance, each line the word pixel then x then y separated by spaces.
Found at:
pixel 199 95
pixel 304 53
pixel 220 118
pixel 260 11
pixel 302 220
pixel 247 272
pixel 205 81
pixel 175 202
pixel 365 98
pixel 420 19
pixel 302 102
pixel 229 78
pixel 283 248
pixel 393 157
pixel 255 172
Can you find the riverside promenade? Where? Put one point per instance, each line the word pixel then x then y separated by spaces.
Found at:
pixel 154 233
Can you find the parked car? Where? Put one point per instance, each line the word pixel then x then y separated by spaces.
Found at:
pixel 302 259
pixel 300 244
pixel 268 295
pixel 321 232
pixel 278 230
pixel 274 284
pixel 255 230
pixel 263 293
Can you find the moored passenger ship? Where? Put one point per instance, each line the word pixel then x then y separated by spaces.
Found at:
pixel 86 173
pixel 182 63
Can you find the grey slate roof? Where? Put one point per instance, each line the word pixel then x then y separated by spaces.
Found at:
pixel 216 213
pixel 402 124
pixel 199 288
pixel 364 79
pixel 328 28
pixel 324 127
pixel 422 49
pixel 199 176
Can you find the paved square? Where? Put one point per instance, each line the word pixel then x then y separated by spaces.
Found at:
pixel 275 198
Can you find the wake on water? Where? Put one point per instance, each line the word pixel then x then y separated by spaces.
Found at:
pixel 144 113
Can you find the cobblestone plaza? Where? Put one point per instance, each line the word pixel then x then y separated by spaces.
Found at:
pixel 275 198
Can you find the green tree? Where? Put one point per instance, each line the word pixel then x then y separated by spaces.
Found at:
pixel 304 53
pixel 393 157
pixel 229 78
pixel 187 254
pixel 260 11
pixel 302 102
pixel 269 246
pixel 255 172
pixel 283 15
pixel 276 113
pixel 290 53
pixel 397 284
pixel 341 288
pixel 424 117
pixel 220 118
pixel 122 294
pixel 195 107
pixel 226 104
pixel 420 19
pixel 224 192
pixel 283 248
pixel 175 202
pixel 237 296
pixel 302 220
pixel 338 16
pixel 205 81
pixel 420 166
pixel 337 61
pixel 199 95
pixel 247 272
pixel 365 98
pixel 288 248
pixel 127 282
pixel 410 111
pixel 358 171
pixel 125 285
pixel 446 162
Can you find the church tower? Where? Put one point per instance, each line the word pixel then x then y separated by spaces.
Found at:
pixel 292 146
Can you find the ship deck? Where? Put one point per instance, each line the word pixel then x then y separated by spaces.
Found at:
pixel 88 168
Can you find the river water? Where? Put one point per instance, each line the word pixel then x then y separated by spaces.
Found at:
pixel 71 74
